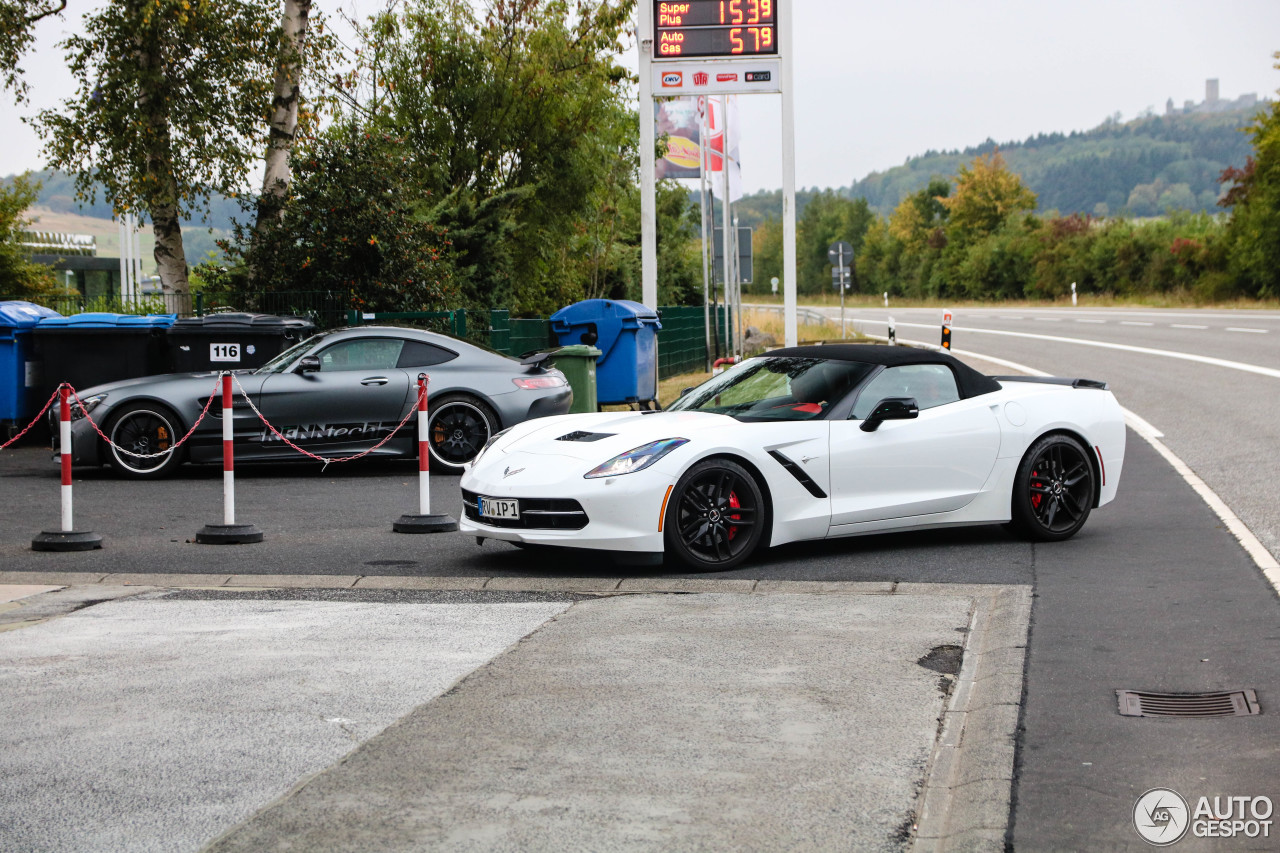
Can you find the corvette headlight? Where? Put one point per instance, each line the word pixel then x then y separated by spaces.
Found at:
pixel 636 460
pixel 89 403
pixel 489 443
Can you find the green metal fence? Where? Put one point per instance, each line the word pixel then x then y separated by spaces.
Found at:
pixel 449 322
pixel 682 341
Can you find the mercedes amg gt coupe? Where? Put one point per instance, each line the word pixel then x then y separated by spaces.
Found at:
pixel 335 394
pixel 805 443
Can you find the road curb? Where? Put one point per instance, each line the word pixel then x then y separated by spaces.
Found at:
pixel 968 788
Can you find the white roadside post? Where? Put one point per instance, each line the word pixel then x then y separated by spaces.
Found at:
pixel 68 538
pixel 423 521
pixel 228 532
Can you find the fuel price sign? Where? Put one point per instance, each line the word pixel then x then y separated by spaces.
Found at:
pixel 723 29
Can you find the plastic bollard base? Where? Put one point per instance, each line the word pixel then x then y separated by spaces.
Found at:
pixel 425 524
pixel 228 534
pixel 66 540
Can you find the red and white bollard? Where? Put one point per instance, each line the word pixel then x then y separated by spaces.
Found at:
pixel 68 538
pixel 228 532
pixel 424 521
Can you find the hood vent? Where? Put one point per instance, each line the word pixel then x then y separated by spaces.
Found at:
pixel 579 435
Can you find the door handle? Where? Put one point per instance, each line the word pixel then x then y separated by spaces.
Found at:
pixel 374 380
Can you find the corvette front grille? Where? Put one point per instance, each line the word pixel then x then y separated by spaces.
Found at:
pixel 535 514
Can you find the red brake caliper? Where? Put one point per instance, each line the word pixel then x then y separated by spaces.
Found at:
pixel 1036 497
pixel 734 504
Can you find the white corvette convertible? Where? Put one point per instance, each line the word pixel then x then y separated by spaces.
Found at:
pixel 805 443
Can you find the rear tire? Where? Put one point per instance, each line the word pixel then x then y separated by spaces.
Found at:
pixel 716 517
pixel 144 428
pixel 1053 490
pixel 457 429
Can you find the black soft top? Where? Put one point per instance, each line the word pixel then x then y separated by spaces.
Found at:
pixel 969 382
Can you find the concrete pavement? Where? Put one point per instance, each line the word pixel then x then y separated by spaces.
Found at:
pixel 785 715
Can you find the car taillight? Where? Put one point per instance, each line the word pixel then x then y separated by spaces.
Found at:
pixel 533 383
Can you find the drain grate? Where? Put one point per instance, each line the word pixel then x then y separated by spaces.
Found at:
pixel 1236 703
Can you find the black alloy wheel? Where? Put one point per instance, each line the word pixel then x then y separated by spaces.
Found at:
pixel 146 430
pixel 1053 490
pixel 457 429
pixel 716 517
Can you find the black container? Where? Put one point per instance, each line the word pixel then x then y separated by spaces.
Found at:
pixel 90 349
pixel 231 341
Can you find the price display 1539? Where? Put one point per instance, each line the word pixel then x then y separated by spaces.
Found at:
pixel 687 28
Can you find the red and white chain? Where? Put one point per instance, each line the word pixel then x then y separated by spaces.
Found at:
pixel 167 451
pixel 34 420
pixel 327 459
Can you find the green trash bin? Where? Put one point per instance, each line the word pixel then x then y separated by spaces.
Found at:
pixel 578 364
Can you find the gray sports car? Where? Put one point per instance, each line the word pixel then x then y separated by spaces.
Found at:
pixel 335 394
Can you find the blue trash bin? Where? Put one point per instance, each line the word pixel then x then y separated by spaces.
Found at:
pixel 18 374
pixel 90 349
pixel 626 333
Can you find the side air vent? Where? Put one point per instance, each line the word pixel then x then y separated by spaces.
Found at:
pixel 579 435
pixel 796 471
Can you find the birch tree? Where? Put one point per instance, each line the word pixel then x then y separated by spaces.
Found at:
pixel 18 19
pixel 170 108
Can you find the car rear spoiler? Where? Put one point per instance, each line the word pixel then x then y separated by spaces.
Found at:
pixel 1096 384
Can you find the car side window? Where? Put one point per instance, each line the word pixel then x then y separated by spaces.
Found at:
pixel 361 354
pixel 930 384
pixel 419 354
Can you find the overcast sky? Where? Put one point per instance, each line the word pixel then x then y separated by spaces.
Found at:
pixel 878 82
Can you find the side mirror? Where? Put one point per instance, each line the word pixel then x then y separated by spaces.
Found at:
pixel 308 364
pixel 891 409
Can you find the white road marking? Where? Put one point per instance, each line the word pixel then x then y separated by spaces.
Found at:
pixel 1187 326
pixel 1135 323
pixel 1049 319
pixel 1252 546
pixel 1091 321
pixel 1181 356
pixel 1254 331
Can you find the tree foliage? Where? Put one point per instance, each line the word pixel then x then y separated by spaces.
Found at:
pixel 1254 234
pixel 987 194
pixel 19 277
pixel 349 228
pixel 520 117
pixel 170 107
pixel 18 19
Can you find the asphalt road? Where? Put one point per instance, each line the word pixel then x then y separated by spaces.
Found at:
pixel 1223 421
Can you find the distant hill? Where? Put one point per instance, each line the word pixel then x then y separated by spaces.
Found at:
pixel 58 196
pixel 1142 167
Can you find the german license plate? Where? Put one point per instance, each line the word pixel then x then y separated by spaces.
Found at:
pixel 499 508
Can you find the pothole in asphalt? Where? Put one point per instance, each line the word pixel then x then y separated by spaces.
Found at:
pixel 944 660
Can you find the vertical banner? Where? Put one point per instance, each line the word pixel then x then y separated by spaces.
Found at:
pixel 678 121
pixel 722 121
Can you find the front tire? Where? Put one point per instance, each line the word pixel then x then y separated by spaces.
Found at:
pixel 457 429
pixel 1053 490
pixel 145 429
pixel 716 517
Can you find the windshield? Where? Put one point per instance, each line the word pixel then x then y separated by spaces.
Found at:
pixel 792 389
pixel 292 354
